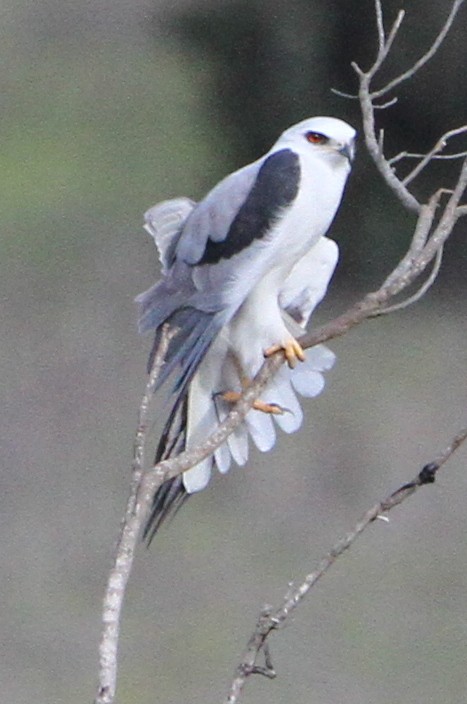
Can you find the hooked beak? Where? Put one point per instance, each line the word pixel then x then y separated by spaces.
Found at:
pixel 348 150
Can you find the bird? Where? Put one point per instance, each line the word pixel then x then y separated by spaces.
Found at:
pixel 241 273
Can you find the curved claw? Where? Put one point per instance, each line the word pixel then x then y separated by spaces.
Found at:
pixel 258 405
pixel 271 408
pixel 292 349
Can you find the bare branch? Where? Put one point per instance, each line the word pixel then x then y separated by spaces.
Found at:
pixel 422 60
pixel 434 153
pixel 341 94
pixel 452 212
pixel 124 552
pixel 386 48
pixel 435 157
pixel 421 291
pixel 387 104
pixel 381 140
pixel 402 155
pixel 367 98
pixel 380 25
pixel 369 128
pixel 272 619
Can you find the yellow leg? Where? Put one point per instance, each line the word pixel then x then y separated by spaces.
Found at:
pixel 272 408
pixel 292 350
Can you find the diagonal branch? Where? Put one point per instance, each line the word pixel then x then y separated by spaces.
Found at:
pixel 272 619
pixel 421 291
pixel 380 25
pixel 126 543
pixel 434 153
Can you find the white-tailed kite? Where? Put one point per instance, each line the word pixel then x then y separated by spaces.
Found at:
pixel 242 271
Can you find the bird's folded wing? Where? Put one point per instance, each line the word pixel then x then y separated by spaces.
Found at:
pixel 240 210
pixel 205 284
pixel 164 223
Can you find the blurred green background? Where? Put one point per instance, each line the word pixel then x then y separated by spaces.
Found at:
pixel 108 107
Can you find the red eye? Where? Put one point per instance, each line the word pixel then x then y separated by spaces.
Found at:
pixel 316 138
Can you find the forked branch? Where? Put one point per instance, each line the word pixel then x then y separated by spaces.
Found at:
pixel 406 75
pixel 367 97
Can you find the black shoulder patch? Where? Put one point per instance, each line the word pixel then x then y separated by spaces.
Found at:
pixel 275 188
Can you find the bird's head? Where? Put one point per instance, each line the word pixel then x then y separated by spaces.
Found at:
pixel 327 136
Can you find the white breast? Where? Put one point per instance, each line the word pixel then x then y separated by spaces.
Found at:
pixel 310 215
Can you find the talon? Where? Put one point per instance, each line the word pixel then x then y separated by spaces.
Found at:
pixel 293 351
pixel 271 408
pixel 229 396
pixel 263 406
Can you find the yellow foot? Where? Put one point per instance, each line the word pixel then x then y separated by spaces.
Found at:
pixel 292 350
pixel 271 408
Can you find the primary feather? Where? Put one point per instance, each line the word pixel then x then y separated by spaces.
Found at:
pixel 242 271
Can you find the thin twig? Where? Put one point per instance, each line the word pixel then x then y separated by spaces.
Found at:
pixel 423 59
pixel 381 141
pixel 435 157
pixel 273 619
pixel 421 291
pixel 380 25
pixel 124 551
pixel 342 94
pixel 407 199
pixel 387 104
pixel 434 153
pixel 386 48
pixel 367 98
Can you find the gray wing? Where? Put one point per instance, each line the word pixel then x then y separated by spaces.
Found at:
pixel 183 297
pixel 182 244
pixel 164 222
pixel 231 220
pixel 240 209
